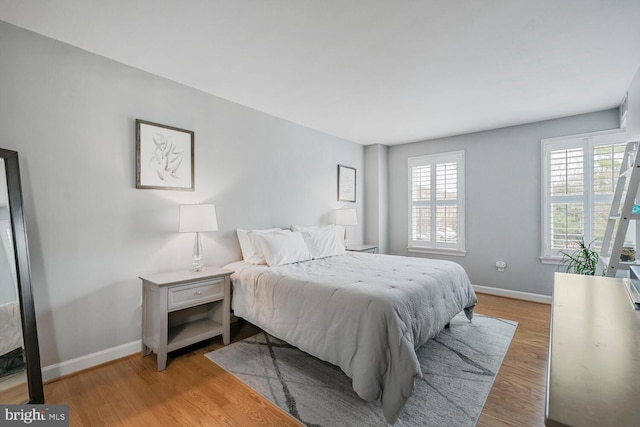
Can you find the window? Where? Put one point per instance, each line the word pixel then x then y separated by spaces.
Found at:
pixel 436 203
pixel 579 178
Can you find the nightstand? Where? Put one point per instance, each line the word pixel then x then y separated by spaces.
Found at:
pixel 371 249
pixel 182 308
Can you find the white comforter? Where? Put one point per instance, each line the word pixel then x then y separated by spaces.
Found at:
pixel 10 329
pixel 365 313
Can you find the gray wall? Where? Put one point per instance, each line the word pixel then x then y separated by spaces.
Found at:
pixel 633 111
pixel 502 195
pixel 70 115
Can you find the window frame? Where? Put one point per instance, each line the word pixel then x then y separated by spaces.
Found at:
pixel 587 141
pixel 457 249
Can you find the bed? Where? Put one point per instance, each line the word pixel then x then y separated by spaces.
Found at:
pixel 366 313
pixel 11 350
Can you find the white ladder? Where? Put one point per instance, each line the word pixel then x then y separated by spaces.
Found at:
pixel 618 223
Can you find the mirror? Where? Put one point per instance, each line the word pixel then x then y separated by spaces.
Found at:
pixel 20 373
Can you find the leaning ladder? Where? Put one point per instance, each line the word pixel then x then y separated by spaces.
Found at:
pixel 618 223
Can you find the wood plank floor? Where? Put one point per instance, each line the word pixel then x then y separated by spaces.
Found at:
pixel 517 396
pixel 194 391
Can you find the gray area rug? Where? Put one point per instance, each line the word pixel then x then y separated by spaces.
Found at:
pixel 459 367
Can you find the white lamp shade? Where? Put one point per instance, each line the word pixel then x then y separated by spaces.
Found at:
pixel 346 217
pixel 197 218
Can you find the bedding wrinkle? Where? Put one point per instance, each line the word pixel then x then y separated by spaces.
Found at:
pixel 365 313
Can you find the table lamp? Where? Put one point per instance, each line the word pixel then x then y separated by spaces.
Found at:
pixel 197 219
pixel 346 217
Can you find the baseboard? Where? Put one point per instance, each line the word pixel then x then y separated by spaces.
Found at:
pixel 61 369
pixel 513 294
pixel 58 370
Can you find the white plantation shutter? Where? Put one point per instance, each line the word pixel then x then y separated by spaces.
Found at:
pixel 579 177
pixel 436 201
pixel 447 202
pixel 421 203
pixel 567 197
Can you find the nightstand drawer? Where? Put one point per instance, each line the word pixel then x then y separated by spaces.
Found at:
pixel 185 296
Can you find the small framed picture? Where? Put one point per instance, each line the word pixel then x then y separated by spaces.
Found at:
pixel 346 184
pixel 164 157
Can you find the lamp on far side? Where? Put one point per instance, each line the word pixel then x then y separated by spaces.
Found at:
pixel 346 217
pixel 197 219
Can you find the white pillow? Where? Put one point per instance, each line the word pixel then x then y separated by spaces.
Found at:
pixel 251 251
pixel 338 229
pixel 323 243
pixel 283 248
pixel 311 227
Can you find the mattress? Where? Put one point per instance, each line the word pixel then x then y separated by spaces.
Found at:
pixel 10 329
pixel 365 313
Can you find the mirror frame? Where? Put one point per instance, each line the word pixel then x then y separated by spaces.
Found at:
pixel 23 270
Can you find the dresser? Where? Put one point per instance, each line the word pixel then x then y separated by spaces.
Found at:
pixel 181 308
pixel 594 355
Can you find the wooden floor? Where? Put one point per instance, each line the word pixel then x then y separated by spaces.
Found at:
pixel 194 391
pixel 517 396
pixel 14 389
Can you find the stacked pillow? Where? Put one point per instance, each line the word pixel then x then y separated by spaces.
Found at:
pixel 321 241
pixel 249 245
pixel 283 248
pixel 276 246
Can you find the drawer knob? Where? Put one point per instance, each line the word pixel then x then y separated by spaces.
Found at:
pixel 199 293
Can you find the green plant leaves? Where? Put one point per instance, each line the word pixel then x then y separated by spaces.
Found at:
pixel 583 260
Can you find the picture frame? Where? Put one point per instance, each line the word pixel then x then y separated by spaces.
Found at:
pixel 346 184
pixel 164 157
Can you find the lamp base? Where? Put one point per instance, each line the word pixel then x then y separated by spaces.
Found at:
pixel 197 255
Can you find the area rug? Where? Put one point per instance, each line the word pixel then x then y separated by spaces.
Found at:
pixel 459 366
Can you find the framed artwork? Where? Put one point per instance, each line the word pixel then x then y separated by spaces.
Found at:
pixel 164 157
pixel 346 184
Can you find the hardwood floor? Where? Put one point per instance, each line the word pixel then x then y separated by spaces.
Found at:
pixel 194 391
pixel 518 393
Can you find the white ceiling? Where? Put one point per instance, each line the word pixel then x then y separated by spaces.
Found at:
pixel 370 71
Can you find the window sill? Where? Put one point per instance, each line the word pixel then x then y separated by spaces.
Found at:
pixel 450 252
pixel 551 260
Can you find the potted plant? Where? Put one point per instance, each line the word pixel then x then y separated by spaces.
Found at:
pixel 582 260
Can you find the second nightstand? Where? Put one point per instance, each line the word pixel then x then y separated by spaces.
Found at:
pixel 182 308
pixel 371 249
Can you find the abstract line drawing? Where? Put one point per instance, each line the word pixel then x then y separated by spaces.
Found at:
pixel 164 157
